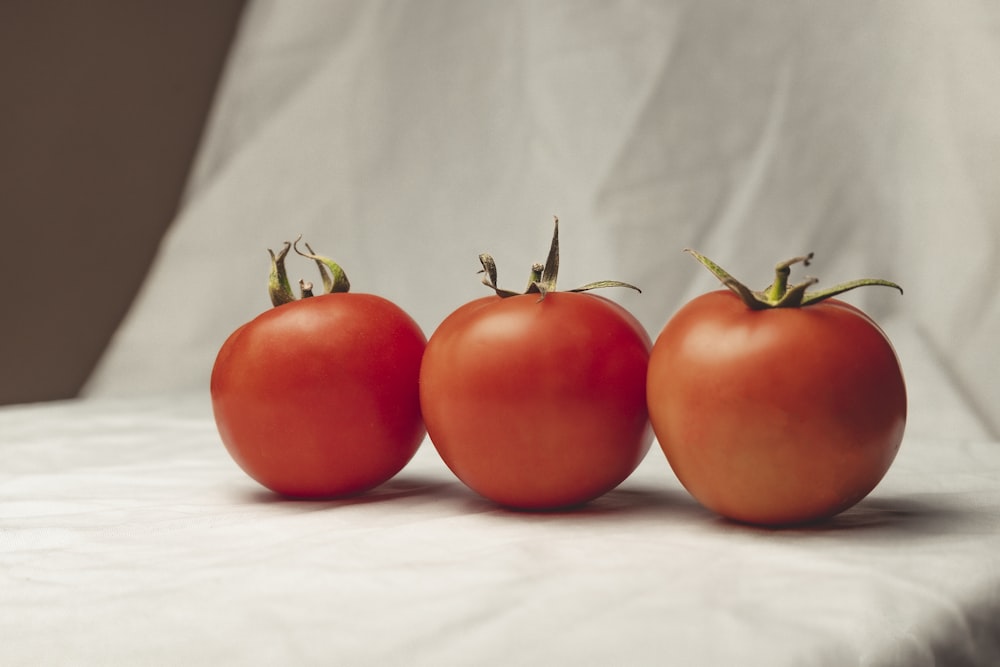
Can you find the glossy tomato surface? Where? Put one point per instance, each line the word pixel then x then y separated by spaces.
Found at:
pixel 538 404
pixel 319 397
pixel 776 416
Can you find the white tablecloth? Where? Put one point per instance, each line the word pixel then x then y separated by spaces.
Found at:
pixel 129 537
pixel 405 138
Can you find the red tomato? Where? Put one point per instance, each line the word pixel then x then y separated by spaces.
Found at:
pixel 538 403
pixel 776 415
pixel 318 398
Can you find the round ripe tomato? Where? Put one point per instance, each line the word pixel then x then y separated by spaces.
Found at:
pixel 776 414
pixel 318 398
pixel 537 401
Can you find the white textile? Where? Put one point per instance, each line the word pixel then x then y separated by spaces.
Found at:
pixel 405 138
pixel 128 537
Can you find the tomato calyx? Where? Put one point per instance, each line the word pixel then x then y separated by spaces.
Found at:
pixel 543 277
pixel 333 277
pixel 780 294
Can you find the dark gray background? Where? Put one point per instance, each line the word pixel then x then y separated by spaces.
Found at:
pixel 101 108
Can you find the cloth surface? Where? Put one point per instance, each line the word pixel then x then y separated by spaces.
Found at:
pixel 128 536
pixel 405 138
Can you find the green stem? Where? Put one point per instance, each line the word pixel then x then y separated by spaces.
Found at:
pixel 543 277
pixel 534 278
pixel 490 277
pixel 550 272
pixel 776 291
pixel 816 297
pixel 779 294
pixel 279 289
pixel 334 278
pixel 277 286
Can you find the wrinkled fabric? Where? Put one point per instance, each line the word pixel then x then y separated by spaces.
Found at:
pixel 129 537
pixel 405 138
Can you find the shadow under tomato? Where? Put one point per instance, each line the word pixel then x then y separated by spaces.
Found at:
pixel 627 501
pixel 397 488
pixel 894 516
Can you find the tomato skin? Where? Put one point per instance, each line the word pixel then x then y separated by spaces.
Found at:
pixel 538 404
pixel 778 416
pixel 318 398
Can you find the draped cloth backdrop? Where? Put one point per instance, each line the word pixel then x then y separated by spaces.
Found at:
pixel 404 138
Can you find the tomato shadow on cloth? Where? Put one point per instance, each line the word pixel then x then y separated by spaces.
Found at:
pixel 645 500
pixel 631 501
pixel 892 516
pixel 398 488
